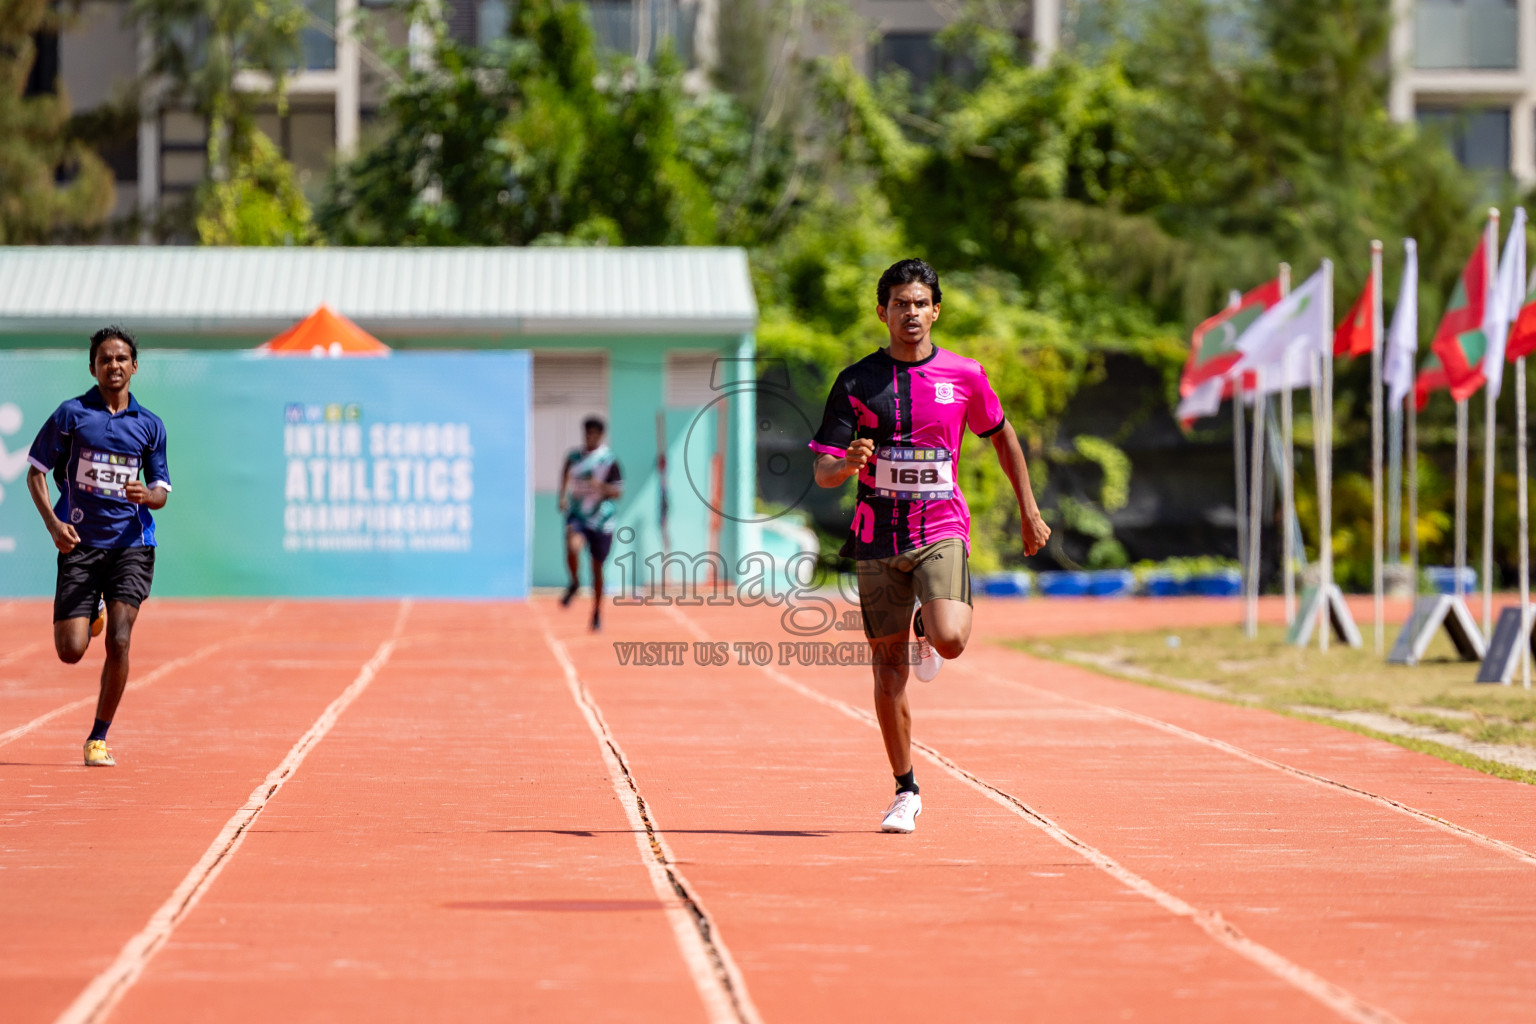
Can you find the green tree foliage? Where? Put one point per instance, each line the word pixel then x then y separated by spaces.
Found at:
pixel 260 204
pixel 49 182
pixel 533 141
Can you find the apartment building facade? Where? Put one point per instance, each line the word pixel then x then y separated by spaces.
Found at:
pixel 1465 67
pixel 336 88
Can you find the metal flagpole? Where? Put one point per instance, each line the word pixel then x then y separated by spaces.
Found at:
pixel 1255 505
pixel 1287 477
pixel 1525 548
pixel 1461 497
pixel 1489 416
pixel 1376 540
pixel 1411 453
pixel 1240 464
pixel 1394 503
pixel 1325 469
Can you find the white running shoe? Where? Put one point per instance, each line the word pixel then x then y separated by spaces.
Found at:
pixel 902 816
pixel 929 661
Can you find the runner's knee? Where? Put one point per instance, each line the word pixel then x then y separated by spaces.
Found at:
pixel 948 646
pixel 891 679
pixel 69 652
pixel 118 638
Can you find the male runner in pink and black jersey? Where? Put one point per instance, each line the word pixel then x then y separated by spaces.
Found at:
pixel 896 419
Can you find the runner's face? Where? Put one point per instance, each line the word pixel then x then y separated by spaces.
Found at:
pixel 114 365
pixel 909 313
pixel 594 437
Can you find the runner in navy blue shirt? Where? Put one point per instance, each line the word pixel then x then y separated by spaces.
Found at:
pixel 97 447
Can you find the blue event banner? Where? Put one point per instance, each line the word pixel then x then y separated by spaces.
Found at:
pixel 360 477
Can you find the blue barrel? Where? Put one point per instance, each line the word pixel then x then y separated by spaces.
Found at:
pixel 1062 584
pixel 1442 578
pixel 1003 584
pixel 1164 584
pixel 1111 583
pixel 1221 583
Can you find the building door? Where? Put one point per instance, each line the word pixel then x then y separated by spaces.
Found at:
pixel 567 388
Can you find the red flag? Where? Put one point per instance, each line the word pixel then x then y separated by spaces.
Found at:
pixel 1459 340
pixel 1431 378
pixel 1214 348
pixel 1356 336
pixel 1522 336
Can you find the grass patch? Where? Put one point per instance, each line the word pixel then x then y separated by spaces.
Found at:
pixel 1269 672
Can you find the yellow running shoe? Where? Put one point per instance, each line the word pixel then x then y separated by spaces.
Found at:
pixel 97 755
pixel 99 620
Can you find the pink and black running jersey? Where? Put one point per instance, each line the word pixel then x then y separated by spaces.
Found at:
pixel 916 413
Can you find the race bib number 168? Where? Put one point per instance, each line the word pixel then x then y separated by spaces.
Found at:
pixel 915 474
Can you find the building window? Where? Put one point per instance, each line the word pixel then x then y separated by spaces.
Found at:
pixel 1467 34
pixel 919 55
pixel 1478 138
pixel 913 52
pixel 318 45
pixel 43 79
pixel 493 17
pixel 641 28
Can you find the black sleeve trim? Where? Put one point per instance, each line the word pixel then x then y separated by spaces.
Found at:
pixel 1000 425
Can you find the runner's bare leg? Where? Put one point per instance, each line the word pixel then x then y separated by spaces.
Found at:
pixel 114 672
pixel 891 656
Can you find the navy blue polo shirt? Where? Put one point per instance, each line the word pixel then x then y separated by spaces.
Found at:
pixel 93 455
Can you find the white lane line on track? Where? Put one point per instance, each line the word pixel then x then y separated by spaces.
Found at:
pixel 1340 1000
pixel 138 684
pixel 719 983
pixel 1435 821
pixel 108 987
pixel 22 652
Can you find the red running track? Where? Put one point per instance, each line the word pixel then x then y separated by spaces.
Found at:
pixel 431 811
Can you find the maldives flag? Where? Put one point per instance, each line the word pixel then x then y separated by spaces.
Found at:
pixel 1431 378
pixel 1459 340
pixel 1355 335
pixel 1522 336
pixel 1214 349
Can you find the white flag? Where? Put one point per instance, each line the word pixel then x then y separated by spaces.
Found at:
pixel 1301 370
pixel 1403 338
pixel 1503 307
pixel 1204 401
pixel 1298 322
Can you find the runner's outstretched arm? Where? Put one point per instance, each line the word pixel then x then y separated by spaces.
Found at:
pixel 1011 457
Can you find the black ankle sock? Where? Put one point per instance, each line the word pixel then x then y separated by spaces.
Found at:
pixel 99 730
pixel 907 783
pixel 917 623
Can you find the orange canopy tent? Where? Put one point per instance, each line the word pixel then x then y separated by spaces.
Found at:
pixel 325 333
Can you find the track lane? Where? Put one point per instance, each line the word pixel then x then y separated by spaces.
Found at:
pixel 1497 808
pixel 772 805
pixel 86 855
pixel 1305 871
pixel 453 851
pixel 35 687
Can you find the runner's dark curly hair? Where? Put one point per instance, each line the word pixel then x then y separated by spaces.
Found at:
pixel 109 332
pixel 908 272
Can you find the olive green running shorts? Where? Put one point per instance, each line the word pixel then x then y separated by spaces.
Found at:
pixel 887 586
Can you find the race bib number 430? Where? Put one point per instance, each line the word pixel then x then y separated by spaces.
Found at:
pixel 915 474
pixel 105 472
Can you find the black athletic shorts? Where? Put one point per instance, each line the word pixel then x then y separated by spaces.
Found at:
pixel 598 542
pixel 88 574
